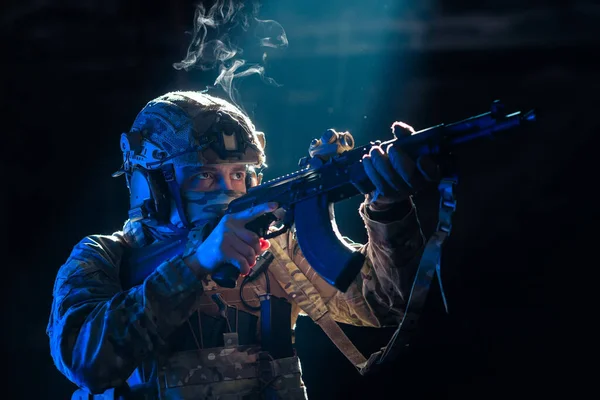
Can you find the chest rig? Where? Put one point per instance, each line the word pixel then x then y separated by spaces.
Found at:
pixel 242 344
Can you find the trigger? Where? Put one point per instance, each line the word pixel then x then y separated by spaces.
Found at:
pixel 261 225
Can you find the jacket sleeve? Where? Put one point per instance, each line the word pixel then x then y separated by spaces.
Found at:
pixel 379 293
pixel 100 333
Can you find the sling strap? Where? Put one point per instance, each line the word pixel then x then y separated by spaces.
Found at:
pixel 303 292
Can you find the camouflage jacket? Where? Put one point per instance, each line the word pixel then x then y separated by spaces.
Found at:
pixel 100 334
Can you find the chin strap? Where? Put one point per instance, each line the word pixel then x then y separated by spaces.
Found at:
pixel 169 174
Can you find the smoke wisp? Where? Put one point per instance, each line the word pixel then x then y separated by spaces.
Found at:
pixel 221 33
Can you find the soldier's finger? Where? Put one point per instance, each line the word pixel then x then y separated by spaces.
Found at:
pixel 249 238
pixel 401 129
pixel 254 212
pixel 405 167
pixel 382 164
pixel 237 260
pixel 244 250
pixel 381 187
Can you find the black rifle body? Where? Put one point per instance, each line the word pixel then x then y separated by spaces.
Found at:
pixel 308 196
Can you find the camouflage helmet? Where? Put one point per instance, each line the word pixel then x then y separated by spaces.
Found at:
pixel 181 129
pixel 191 129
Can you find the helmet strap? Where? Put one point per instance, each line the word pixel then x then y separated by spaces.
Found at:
pixel 169 174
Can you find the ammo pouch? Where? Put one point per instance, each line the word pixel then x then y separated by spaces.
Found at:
pixel 229 365
pixel 226 368
pixel 221 373
pixel 230 373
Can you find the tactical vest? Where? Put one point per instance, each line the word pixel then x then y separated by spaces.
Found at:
pixel 241 368
pixel 237 368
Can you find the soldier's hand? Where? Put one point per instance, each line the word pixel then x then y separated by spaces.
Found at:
pixel 230 242
pixel 394 174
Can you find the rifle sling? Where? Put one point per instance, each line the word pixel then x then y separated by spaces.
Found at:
pixel 303 292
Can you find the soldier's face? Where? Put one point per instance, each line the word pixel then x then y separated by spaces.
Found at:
pixel 212 177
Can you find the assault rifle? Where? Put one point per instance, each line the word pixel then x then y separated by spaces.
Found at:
pixel 308 195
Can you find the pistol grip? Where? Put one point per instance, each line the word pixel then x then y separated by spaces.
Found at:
pixel 226 276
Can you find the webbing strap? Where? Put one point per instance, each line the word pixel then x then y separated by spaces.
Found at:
pixel 428 266
pixel 303 292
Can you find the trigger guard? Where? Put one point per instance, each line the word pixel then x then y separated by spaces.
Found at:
pixel 260 225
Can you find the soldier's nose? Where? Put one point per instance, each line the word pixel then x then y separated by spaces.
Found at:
pixel 225 184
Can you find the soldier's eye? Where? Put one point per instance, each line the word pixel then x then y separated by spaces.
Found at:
pixel 204 175
pixel 237 176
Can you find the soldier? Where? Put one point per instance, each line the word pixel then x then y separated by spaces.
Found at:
pixel 179 335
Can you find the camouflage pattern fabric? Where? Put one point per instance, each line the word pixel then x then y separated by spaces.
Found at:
pixel 207 206
pixel 378 294
pixel 296 284
pixel 230 373
pixel 173 123
pixel 308 298
pixel 100 334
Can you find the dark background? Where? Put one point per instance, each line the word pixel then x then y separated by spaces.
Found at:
pixel 77 72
